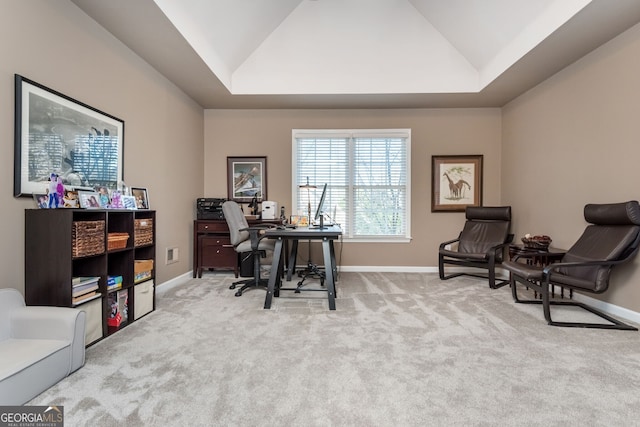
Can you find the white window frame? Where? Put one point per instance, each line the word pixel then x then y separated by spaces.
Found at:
pixel 351 134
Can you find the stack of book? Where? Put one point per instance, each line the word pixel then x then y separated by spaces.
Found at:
pixel 84 288
pixel 114 283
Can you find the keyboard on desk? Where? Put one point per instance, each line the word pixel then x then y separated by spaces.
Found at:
pixel 324 225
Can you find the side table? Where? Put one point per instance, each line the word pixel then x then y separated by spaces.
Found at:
pixel 541 257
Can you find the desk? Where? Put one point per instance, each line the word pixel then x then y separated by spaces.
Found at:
pixel 326 234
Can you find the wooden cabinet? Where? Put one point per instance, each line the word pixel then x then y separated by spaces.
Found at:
pixel 212 248
pixel 63 244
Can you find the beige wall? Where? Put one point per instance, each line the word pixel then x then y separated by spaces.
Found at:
pixel 569 141
pixel 55 44
pixel 574 140
pixel 434 132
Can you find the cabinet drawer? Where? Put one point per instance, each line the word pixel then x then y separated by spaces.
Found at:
pixel 212 227
pixel 219 256
pixel 206 241
pixel 93 324
pixel 143 299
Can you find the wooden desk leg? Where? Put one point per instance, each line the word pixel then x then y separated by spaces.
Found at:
pixel 328 262
pixel 291 267
pixel 275 263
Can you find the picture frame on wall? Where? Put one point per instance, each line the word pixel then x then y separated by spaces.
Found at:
pixel 141 197
pixel 456 182
pixel 247 179
pixel 57 134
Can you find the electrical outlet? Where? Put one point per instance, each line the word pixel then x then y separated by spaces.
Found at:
pixel 172 255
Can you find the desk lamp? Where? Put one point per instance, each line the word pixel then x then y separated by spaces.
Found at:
pixel 308 187
pixel 311 270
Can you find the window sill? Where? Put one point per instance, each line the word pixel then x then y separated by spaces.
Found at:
pixel 376 240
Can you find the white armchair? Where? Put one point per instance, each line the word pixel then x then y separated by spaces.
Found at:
pixel 39 346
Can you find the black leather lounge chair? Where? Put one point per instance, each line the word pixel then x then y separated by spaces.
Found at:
pixel 481 243
pixel 611 239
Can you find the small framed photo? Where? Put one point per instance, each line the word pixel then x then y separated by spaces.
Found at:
pixel 129 202
pixel 116 200
pixel 70 199
pixel 141 196
pixel 104 199
pixel 42 200
pixel 89 199
pixel 300 220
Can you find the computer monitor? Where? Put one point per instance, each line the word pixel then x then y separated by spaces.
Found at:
pixel 320 208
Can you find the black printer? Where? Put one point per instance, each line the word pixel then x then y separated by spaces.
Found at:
pixel 209 208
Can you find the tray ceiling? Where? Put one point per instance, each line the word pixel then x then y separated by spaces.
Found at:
pixel 360 53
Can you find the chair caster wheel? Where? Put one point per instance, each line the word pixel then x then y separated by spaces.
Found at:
pixel 239 294
pixel 232 286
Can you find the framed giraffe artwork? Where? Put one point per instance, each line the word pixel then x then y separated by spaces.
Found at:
pixel 456 182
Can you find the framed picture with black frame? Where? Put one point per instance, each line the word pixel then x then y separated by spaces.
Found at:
pixel 57 134
pixel 247 179
pixel 141 196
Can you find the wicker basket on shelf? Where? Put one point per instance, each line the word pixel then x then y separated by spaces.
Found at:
pixel 87 238
pixel 143 231
pixel 117 241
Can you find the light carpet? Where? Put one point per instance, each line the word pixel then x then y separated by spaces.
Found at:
pixel 400 350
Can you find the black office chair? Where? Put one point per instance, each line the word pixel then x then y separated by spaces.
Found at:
pixel 611 238
pixel 247 242
pixel 480 244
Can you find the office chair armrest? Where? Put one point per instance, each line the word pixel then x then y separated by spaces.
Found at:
pixel 256 227
pixel 256 233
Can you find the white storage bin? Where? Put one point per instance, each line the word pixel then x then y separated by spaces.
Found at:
pixel 143 299
pixel 93 328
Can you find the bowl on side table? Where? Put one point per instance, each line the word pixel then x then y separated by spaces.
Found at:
pixel 537 242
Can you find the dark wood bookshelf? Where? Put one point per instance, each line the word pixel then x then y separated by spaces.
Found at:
pixel 50 264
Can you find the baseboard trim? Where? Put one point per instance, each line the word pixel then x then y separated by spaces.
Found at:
pixel 172 283
pixel 611 309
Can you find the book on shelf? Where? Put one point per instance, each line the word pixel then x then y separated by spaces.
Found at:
pixel 84 289
pixel 80 280
pixel 114 282
pixel 85 297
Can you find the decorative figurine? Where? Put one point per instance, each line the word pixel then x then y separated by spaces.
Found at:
pixel 55 199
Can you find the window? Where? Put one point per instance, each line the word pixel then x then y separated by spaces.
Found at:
pixel 367 175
